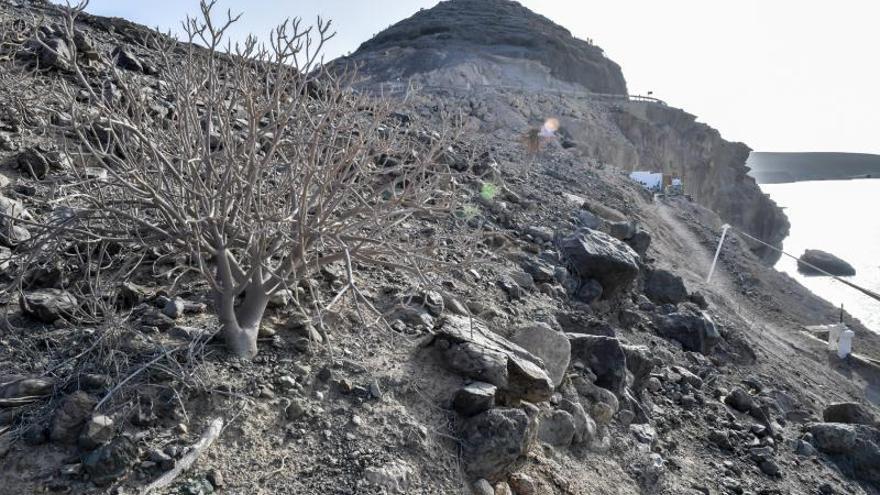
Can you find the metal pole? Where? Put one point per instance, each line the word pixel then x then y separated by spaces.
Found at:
pixel 718 251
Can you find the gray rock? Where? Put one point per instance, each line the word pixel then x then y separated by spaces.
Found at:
pixel 640 242
pixel 588 291
pixel 834 438
pixel 721 439
pixel 769 467
pixel 39 163
pixel 111 461
pixel 688 377
pixel 474 398
pixel 470 349
pixel 482 487
pixel 550 346
pixel 595 255
pixel 539 271
pixel 580 322
pixel 640 363
pixel 296 409
pixel 825 261
pixel 174 308
pixel 12 386
pixel 621 230
pixel 127 60
pixel 848 412
pixel 523 484
pixel 48 305
pixel 689 326
pixel 12 232
pixel 52 53
pixel 588 219
pixel 393 477
pixel 665 287
pixel 604 356
pixel 542 234
pixel 281 298
pixel 71 415
pixel 584 426
pixel 494 441
pixel 603 412
pixel 740 400
pixel 97 431
pixel 804 448
pixel 556 428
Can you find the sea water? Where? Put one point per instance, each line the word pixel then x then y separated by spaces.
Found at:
pixel 841 217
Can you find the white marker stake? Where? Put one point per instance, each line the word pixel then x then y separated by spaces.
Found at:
pixel 718 251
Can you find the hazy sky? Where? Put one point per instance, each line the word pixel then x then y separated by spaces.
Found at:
pixel 779 75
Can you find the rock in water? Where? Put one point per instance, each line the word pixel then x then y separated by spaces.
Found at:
pixel 825 261
pixel 597 255
pixel 494 441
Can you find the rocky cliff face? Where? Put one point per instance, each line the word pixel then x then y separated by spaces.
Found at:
pixel 712 169
pixel 495 45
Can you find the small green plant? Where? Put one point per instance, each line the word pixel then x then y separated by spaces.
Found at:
pixel 467 212
pixel 488 191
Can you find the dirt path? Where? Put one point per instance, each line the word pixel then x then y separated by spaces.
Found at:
pixel 784 350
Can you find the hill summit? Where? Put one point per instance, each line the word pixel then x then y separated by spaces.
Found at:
pixel 487 42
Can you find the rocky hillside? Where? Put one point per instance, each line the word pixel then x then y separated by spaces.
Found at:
pixel 568 344
pixel 490 47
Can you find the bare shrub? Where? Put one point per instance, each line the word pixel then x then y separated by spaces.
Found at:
pixel 254 160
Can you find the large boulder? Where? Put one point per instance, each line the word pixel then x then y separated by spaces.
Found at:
pixel 605 357
pixel 474 398
pixel 689 326
pixel 853 447
pixel 494 441
pixel 470 349
pixel 556 428
pixel 548 344
pixel 665 287
pixel 596 255
pixel 824 261
pixel 848 412
pixel 48 305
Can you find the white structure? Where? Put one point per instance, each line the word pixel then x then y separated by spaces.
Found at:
pixel 844 345
pixel 651 180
